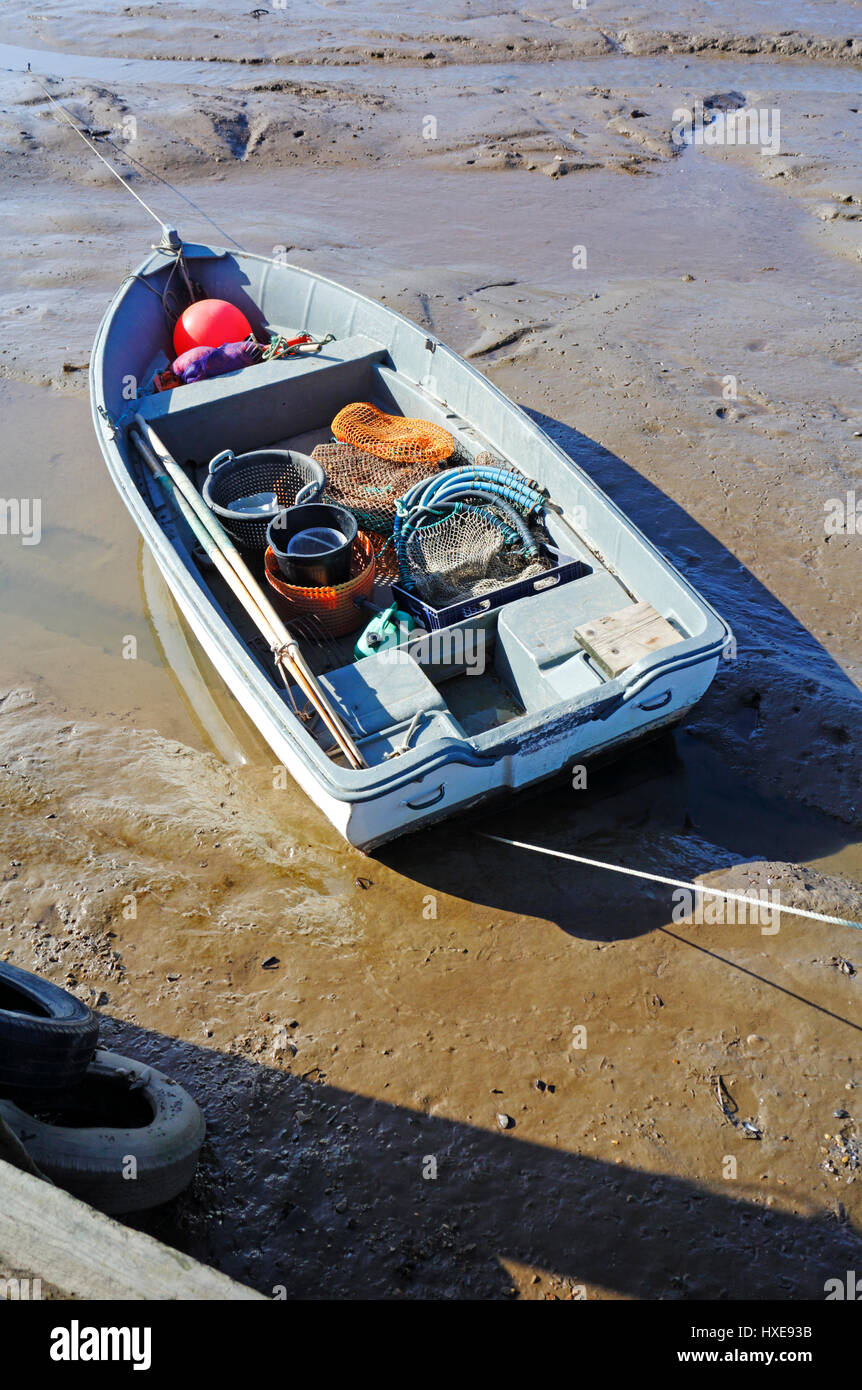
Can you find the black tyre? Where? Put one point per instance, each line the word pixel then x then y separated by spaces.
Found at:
pixel 47 1036
pixel 127 1138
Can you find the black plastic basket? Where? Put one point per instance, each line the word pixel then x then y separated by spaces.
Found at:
pixel 291 476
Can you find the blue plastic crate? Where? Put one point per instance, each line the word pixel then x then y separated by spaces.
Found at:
pixel 432 619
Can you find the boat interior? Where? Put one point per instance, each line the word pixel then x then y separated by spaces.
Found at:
pixel 493 667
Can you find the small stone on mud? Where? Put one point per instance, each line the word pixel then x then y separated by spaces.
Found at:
pixel 362 883
pixel 505 1121
pixel 174 975
pixel 724 101
pixel 271 963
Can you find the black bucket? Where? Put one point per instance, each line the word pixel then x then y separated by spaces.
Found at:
pixel 312 544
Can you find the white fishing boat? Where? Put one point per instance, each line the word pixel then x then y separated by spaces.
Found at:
pixel 601 643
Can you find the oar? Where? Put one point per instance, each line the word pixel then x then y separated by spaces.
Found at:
pixel 287 654
pixel 233 569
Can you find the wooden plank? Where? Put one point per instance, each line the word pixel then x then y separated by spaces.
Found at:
pixel 54 1237
pixel 619 639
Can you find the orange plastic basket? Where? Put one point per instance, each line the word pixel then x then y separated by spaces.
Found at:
pixel 392 437
pixel 333 606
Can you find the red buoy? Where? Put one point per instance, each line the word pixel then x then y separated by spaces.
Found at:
pixel 210 323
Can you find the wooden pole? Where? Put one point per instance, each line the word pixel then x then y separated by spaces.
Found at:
pixel 233 569
pixel 230 551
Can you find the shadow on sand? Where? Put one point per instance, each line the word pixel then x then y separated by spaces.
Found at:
pixel 759 619
pixel 321 1191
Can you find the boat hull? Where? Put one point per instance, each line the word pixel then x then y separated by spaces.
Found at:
pixel 434 797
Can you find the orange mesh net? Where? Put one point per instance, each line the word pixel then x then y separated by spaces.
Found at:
pixel 333 606
pixel 392 437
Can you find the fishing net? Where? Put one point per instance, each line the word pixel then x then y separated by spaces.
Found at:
pixel 367 486
pixel 464 555
pixel 385 558
pixel 392 437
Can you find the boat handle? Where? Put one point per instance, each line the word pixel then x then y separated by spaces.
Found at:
pixel 309 493
pixel 221 458
pixel 430 800
pixel 658 701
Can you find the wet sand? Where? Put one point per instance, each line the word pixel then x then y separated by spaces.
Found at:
pixel 419 995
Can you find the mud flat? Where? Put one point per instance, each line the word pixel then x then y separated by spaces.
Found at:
pixel 351 33
pixel 703 364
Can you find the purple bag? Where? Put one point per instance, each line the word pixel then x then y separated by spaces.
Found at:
pixel 201 363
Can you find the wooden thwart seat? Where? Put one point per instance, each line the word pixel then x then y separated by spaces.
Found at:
pixel 618 640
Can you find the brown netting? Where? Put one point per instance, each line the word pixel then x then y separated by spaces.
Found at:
pixel 385 557
pixel 392 437
pixel 367 486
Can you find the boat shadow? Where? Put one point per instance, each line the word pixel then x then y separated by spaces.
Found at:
pixel 759 619
pixel 670 807
pixel 312 1191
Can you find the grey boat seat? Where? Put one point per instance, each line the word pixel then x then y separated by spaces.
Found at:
pixel 248 409
pixel 537 651
pixel 379 697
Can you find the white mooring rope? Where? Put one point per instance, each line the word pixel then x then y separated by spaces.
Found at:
pixel 81 130
pixel 675 882
pixel 67 120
